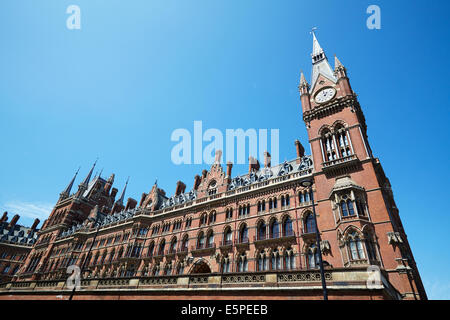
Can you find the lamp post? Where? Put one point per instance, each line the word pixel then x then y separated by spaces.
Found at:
pixel 87 256
pixel 308 184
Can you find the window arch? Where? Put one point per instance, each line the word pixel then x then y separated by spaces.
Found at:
pixel 212 217
pixel 312 256
pixel 151 249
pixel 229 213
pixel 210 239
pixel 184 243
pixel 242 263
pixel 342 140
pixel 289 259
pixel 355 246
pixel 262 261
pixel 201 240
pixel 287 227
pixel 328 145
pixel 203 219
pixel 274 229
pixel 276 260
pixel 227 236
pixel 309 223
pixel 225 264
pixel 243 234
pixel 370 246
pixel 262 230
pixel 173 245
pixel 162 245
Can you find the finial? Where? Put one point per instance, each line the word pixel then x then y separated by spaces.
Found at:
pixel 313 29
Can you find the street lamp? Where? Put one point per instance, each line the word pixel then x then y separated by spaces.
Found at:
pixel 308 184
pixel 89 252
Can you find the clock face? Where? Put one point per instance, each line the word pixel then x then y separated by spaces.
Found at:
pixel 325 95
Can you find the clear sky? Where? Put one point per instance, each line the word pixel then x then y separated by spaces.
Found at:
pixel 137 70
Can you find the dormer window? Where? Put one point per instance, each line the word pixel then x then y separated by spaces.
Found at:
pixel 212 188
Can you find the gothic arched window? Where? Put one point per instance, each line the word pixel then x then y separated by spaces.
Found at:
pixel 262 261
pixel 242 264
pixel 274 229
pixel 262 231
pixel 370 246
pixel 287 227
pixel 226 264
pixel 356 246
pixel 184 244
pixel 309 223
pixel 276 260
pixel 243 234
pixel 227 236
pixel 173 245
pixel 351 211
pixel 312 256
pixel 344 210
pixel 289 260
pixel 161 247
pixel 210 240
pixel 201 240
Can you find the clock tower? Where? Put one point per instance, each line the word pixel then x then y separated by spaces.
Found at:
pixel 356 210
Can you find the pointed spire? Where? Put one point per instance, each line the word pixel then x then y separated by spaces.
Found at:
pixel 88 177
pixel 317 49
pixel 66 191
pixel 337 63
pixel 302 79
pixel 339 69
pixel 120 201
pixel 320 62
pixel 303 86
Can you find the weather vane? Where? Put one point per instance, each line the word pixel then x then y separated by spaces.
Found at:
pixel 313 29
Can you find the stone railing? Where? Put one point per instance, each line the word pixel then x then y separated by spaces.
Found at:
pixel 336 279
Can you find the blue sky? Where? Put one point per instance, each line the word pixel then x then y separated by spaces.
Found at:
pixel 137 70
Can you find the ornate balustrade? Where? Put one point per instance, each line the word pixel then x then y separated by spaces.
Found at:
pixel 353 278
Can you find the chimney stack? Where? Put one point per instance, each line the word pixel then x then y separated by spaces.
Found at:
pixel 35 224
pixel 229 167
pixel 13 221
pixel 267 159
pixel 300 149
pixel 131 204
pixel 197 181
pixel 114 193
pixel 253 164
pixel 144 195
pixel 4 217
pixel 181 187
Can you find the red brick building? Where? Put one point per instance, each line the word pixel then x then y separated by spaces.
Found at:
pixel 244 237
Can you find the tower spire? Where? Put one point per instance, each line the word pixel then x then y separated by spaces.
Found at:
pixel 320 63
pixel 122 195
pixel 88 177
pixel 66 191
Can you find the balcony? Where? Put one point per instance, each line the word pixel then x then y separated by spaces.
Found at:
pixel 284 237
pixel 182 251
pixel 226 245
pixel 243 243
pixel 203 248
pixel 341 165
